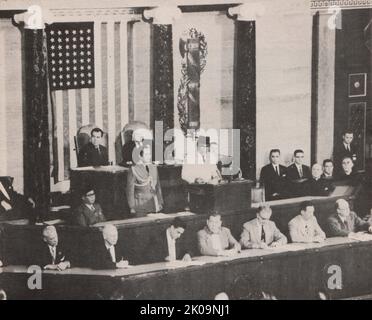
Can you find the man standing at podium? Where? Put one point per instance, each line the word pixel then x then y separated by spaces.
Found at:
pixel 94 153
pixel 205 169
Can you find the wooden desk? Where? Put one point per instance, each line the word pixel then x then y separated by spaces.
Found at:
pixel 222 198
pixel 110 184
pixel 20 243
pixel 291 272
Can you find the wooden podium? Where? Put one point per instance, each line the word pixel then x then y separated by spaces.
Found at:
pixel 222 198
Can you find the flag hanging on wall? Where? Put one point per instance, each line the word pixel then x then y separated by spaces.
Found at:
pixel 71 55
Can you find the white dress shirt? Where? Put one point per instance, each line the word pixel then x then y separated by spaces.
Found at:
pixel 171 246
pixel 53 253
pixel 299 169
pixel 112 252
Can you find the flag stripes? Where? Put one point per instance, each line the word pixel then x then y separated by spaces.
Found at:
pixel 105 105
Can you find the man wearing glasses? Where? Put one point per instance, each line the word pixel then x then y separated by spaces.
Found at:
pixel 89 212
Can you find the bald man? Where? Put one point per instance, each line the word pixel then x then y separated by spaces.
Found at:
pixel 316 185
pixel 52 255
pixel 108 254
pixel 344 221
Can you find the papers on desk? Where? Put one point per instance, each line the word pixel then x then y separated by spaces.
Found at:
pixel 18 222
pixel 157 215
pixel 182 264
pixel 360 236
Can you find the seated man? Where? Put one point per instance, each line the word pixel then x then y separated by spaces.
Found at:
pixel 344 221
pixel 12 204
pixel 273 177
pixel 328 169
pixel 143 186
pixel 317 186
pixel 215 240
pixel 345 148
pixel 261 233
pixel 168 243
pixel 297 170
pixel 305 227
pixel 204 170
pixel 347 174
pixel 93 153
pixel 89 212
pixel 108 254
pixel 52 255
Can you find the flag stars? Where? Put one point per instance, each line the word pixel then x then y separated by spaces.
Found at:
pixel 60 54
pixel 67 47
pixel 74 54
pixel 88 45
pixel 73 31
pixel 52 32
pixel 82 82
pixel 60 69
pixel 74 68
pixel 52 40
pixel 59 40
pixel 81 31
pixel 67 32
pixel 75 75
pixel 59 47
pixel 74 61
pixel 81 67
pixel 82 46
pixel 59 32
pixel 89 31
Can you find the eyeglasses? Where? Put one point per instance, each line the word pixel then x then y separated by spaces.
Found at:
pixel 90 194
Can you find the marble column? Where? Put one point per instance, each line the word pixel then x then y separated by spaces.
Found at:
pixel 36 131
pixel 245 95
pixel 324 87
pixel 162 76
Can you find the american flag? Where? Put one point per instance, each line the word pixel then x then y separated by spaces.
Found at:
pixel 104 102
pixel 71 55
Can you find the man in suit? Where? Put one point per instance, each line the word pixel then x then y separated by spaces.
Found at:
pixel 89 212
pixel 297 170
pixel 51 254
pixel 168 244
pixel 12 204
pixel 345 221
pixel 348 175
pixel 345 149
pixel 204 168
pixel 317 186
pixel 215 240
pixel 273 177
pixel 305 227
pixel 328 167
pixel 108 254
pixel 143 186
pixel 261 233
pixel 93 153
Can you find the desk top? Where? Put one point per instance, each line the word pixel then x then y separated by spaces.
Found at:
pixel 110 169
pixel 197 261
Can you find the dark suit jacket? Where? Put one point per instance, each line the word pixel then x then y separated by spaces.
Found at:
pixel 85 217
pixel 44 256
pixel 353 224
pixel 274 183
pixel 320 187
pixel 340 151
pixel 352 179
pixel 101 258
pixel 292 172
pixel 89 156
pixel 19 203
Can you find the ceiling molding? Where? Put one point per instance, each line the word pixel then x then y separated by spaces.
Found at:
pixel 342 4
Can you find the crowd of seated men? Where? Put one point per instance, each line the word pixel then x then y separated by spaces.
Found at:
pixel 213 240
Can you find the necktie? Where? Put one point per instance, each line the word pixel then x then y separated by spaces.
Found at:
pixel 300 171
pixel 277 170
pixel 147 168
pixel 263 236
pixel 348 147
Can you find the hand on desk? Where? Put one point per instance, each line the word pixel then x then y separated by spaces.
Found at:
pixel 186 258
pixel 60 266
pixel 132 211
pixel 370 229
pixel 1 263
pixel 122 264
pixel 274 245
